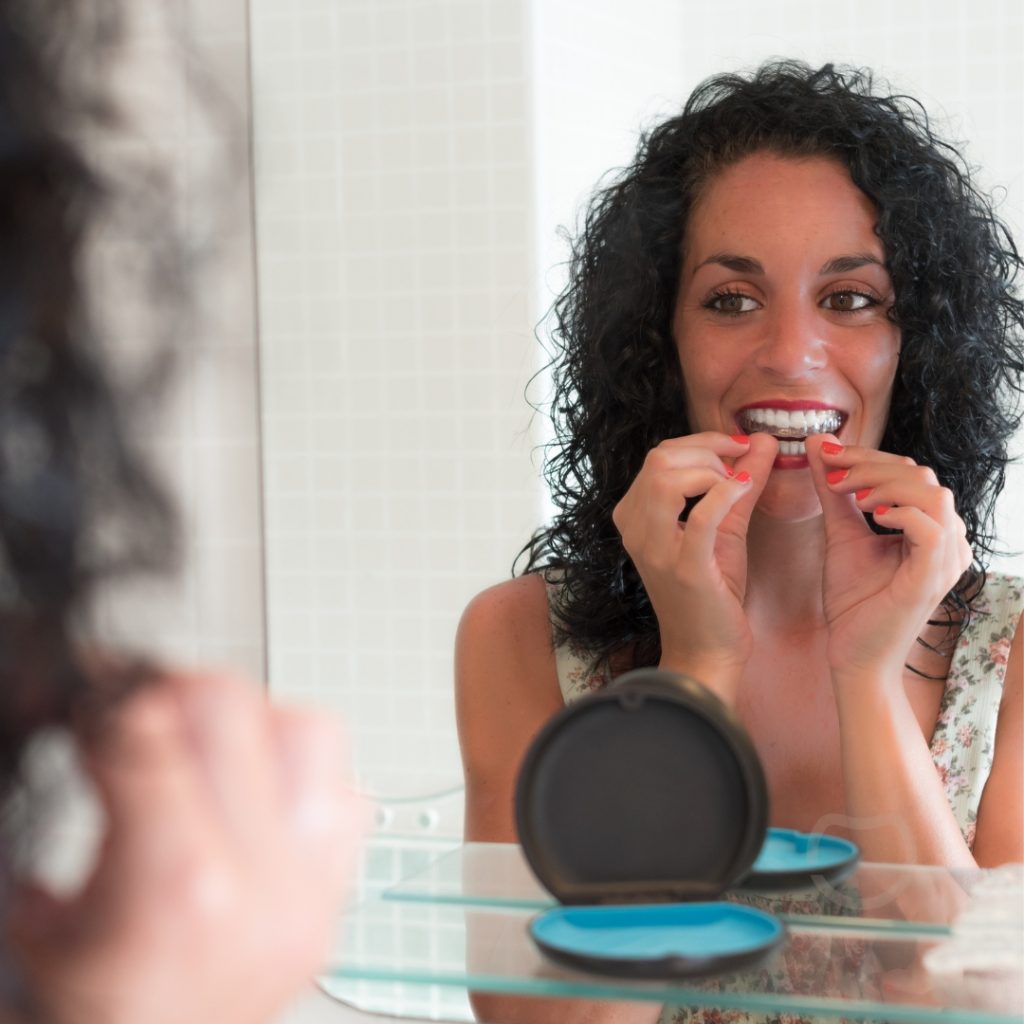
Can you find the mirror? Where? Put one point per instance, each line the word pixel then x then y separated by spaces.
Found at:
pixel 414 159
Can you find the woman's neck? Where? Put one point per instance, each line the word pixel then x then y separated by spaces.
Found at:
pixel 784 565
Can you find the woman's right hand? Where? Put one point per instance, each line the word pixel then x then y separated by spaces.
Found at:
pixel 232 837
pixel 695 572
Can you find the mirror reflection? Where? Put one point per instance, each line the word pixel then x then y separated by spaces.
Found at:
pixel 793 281
pixel 414 162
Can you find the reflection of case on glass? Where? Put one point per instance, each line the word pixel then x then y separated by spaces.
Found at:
pixel 649 791
pixel 657 940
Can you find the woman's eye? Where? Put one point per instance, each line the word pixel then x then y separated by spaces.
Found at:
pixel 849 302
pixel 732 303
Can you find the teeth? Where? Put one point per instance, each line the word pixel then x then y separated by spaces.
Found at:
pixel 792 448
pixel 786 424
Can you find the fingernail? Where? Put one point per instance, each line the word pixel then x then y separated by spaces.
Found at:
pixel 882 509
pixel 742 477
pixel 740 438
pixel 835 475
pixel 729 471
pixel 831 448
pixel 863 493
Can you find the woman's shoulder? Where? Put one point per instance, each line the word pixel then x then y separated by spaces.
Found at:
pixel 1003 593
pixel 510 609
pixel 506 688
pixel 995 612
pixel 505 635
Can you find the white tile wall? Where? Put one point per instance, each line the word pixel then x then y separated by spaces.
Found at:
pixel 393 218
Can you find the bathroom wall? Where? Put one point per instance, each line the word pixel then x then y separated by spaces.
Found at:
pixel 394 225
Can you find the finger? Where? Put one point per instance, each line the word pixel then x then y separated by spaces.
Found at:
pixel 323 809
pixel 944 543
pixel 834 454
pixel 651 514
pixel 936 502
pixel 757 464
pixel 325 820
pixel 680 454
pixel 895 481
pixel 726 445
pixel 922 534
pixel 880 470
pixel 887 483
pixel 316 776
pixel 703 523
pixel 838 507
pixel 159 841
pixel 227 723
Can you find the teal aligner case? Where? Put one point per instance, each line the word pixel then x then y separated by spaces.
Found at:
pixel 637 807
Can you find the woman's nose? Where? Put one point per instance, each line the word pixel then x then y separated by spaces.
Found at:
pixel 794 342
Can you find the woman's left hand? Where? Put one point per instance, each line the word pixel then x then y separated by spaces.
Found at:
pixel 880 590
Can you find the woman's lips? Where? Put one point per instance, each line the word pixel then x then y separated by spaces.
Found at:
pixel 790 423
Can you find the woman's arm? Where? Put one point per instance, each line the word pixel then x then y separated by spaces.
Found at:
pixel 890 778
pixel 506 687
pixel 879 593
pixel 999 836
pixel 695 572
pixel 895 801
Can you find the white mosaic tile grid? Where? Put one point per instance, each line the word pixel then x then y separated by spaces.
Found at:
pixel 393 225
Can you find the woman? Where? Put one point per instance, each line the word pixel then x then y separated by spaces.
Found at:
pixel 790 357
pixel 231 831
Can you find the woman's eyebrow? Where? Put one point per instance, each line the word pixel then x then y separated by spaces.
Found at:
pixel 732 261
pixel 843 264
pixel 748 265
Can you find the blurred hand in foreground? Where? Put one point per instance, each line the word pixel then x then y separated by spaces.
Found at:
pixel 232 838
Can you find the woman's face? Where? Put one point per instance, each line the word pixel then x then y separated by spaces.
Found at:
pixel 780 320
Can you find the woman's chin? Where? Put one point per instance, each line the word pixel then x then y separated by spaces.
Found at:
pixel 789 497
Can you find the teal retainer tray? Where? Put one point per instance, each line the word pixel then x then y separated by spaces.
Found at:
pixel 789 858
pixel 656 940
pixel 638 806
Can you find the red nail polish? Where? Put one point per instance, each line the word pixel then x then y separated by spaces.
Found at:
pixel 863 493
pixel 831 448
pixel 740 438
pixel 742 477
pixel 882 509
pixel 835 475
pixel 729 471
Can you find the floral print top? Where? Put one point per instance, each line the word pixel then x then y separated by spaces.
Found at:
pixel 962 748
pixel 963 743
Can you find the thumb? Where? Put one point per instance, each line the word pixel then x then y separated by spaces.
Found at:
pixel 758 463
pixel 842 517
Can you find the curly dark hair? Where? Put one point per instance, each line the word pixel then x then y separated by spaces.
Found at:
pixel 956 398
pixel 78 503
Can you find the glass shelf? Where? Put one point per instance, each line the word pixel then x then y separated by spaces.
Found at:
pixel 843 971
pixel 921 901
